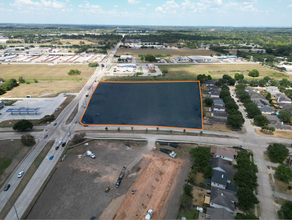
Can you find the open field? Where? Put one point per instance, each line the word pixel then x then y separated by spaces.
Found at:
pixel 218 70
pixel 172 52
pixel 52 80
pixel 11 153
pixel 25 179
pixel 277 133
pixel 84 180
pixel 152 188
pixel 75 41
pixel 44 71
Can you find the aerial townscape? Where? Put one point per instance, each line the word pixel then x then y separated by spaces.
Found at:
pixel 143 109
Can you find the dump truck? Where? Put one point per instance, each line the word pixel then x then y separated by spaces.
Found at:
pixel 90 154
pixel 120 179
pixel 149 214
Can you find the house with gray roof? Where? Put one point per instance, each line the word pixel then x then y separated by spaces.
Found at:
pixel 217 108
pixel 260 102
pixel 219 102
pixel 283 99
pixel 272 89
pixel 255 95
pixel 222 165
pixel 225 153
pixel 214 94
pixel 209 83
pixel 219 213
pixel 217 114
pixel 219 121
pixel 222 180
pixel 266 110
pixel 221 198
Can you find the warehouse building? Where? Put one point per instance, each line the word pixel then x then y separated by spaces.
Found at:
pixel 126 67
pixel 201 58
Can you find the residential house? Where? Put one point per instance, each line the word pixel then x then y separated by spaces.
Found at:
pixel 286 107
pixel 219 213
pixel 219 121
pixel 218 102
pixel 260 102
pixel 222 165
pixel 214 94
pixel 211 88
pixel 254 95
pixel 217 108
pixel 209 83
pixel 226 153
pixel 221 198
pixel 266 110
pixel 221 180
pixel 217 114
pixel 283 99
pixel 272 89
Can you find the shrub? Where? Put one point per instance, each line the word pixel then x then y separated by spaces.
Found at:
pixel 28 140
pixel 188 190
pixel 208 101
pixel 21 80
pixel 35 80
pixel 22 125
pixel 277 152
pixel 74 72
pixel 93 65
pixel 254 73
pixel 77 138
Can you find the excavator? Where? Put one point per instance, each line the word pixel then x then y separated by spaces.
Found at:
pixel 107 189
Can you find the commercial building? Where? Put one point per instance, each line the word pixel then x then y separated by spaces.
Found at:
pixel 126 57
pixel 126 67
pixel 201 58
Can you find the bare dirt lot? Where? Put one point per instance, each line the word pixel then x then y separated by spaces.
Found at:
pixel 172 52
pixel 76 190
pixel 152 188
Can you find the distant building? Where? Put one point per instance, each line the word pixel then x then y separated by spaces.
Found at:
pixel 151 66
pixel 126 57
pixel 225 199
pixel 201 58
pixel 219 213
pixel 283 99
pixel 222 165
pixel 217 108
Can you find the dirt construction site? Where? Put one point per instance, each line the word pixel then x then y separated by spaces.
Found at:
pixel 76 189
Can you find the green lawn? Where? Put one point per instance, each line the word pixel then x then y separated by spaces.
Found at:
pixel 188 213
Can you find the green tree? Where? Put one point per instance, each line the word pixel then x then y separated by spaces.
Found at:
pixel 231 105
pixel 149 58
pixel 28 140
pixel 285 82
pixel 268 96
pixel 93 65
pixel 254 73
pixel 238 76
pixel 208 101
pixel 282 88
pixel 273 82
pixel 246 198
pixel 252 110
pixel 201 156
pixel 235 121
pixel 277 152
pixel 262 83
pixel 226 77
pixel 165 71
pixel 188 190
pixel 287 210
pixel 6 86
pixel 246 178
pixel 245 216
pixel 208 171
pixel 22 125
pixel 185 200
pixel 224 93
pixel 285 116
pixel 74 72
pixel 261 120
pixel 231 82
pixel 192 178
pixel 21 80
pixel 77 138
pixel 283 172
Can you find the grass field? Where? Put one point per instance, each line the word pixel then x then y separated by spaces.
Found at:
pixel 172 52
pixel 218 70
pixel 52 80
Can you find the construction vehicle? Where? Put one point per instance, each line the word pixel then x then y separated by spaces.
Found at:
pixel 120 179
pixel 90 154
pixel 172 154
pixel 149 214
pixel 107 189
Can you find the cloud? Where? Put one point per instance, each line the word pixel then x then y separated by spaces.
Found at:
pixel 248 2
pixel 148 4
pixel 290 6
pixel 42 4
pixel 212 2
pixel 133 2
pixel 116 6
pixel 249 8
pixel 141 8
pixel 159 9
pixel 67 0
pixel 187 5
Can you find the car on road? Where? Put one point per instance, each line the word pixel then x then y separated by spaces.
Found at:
pixel 69 134
pixel 57 147
pixel 45 136
pixel 118 183
pixel 75 121
pixel 51 157
pixel 63 144
pixel 7 187
pixel 20 174
pixel 55 123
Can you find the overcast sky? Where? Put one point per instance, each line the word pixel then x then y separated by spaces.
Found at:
pixel 149 12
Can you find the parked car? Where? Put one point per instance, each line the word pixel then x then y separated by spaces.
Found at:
pixel 51 157
pixel 57 147
pixel 20 174
pixel 45 136
pixel 75 121
pixel 69 134
pixel 63 144
pixel 55 123
pixel 7 187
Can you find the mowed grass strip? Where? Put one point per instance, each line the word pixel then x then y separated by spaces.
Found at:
pixel 44 71
pixel 218 70
pixel 172 52
pixel 11 153
pixel 25 179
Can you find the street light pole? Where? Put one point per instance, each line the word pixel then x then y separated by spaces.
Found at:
pixel 13 207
